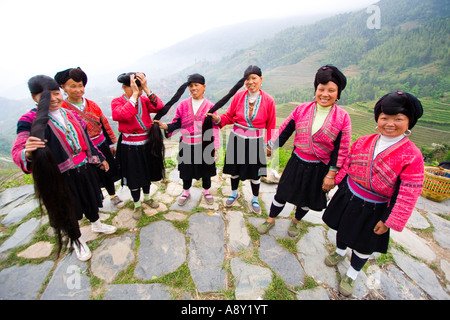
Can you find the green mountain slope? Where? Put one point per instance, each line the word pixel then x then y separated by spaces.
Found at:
pixel 410 52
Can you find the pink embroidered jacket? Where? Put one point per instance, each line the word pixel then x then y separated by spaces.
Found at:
pixel 135 119
pixel 399 168
pixel 56 140
pixel 97 123
pixel 263 116
pixel 191 124
pixel 335 133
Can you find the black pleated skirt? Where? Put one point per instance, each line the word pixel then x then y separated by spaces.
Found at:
pixel 354 220
pixel 85 191
pixel 137 168
pixel 301 184
pixel 193 163
pixel 245 157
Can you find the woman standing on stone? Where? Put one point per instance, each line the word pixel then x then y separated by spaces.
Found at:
pixel 252 113
pixel 132 110
pixel 193 163
pixel 322 139
pixel 379 185
pixel 73 82
pixel 53 144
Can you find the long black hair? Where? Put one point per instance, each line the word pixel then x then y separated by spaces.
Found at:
pixel 155 144
pixel 207 137
pixel 50 188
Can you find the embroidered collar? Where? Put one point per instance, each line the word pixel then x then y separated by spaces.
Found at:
pixel 249 119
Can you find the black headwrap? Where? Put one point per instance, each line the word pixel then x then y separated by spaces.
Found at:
pixel 252 70
pixel 76 74
pixel 400 102
pixel 49 184
pixel 124 78
pixel 39 83
pixel 330 73
pixel 196 78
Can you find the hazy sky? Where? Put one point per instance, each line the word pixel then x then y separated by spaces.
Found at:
pixel 45 36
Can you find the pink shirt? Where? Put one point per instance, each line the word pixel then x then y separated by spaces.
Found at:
pixel 134 120
pixel 401 162
pixel 263 117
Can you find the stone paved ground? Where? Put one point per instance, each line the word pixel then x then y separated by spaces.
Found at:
pixel 204 252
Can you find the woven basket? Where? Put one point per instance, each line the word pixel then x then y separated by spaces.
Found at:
pixel 436 186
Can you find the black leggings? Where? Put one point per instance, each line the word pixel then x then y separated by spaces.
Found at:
pixel 276 210
pixel 136 193
pixel 206 183
pixel 356 262
pixel 235 186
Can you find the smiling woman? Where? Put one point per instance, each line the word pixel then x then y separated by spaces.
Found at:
pixel 52 143
pixel 379 185
pixel 322 138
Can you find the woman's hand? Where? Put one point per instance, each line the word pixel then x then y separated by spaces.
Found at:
pixel 141 77
pixel 380 228
pixel 269 151
pixel 104 166
pixel 161 125
pixel 134 86
pixel 214 117
pixel 328 181
pixel 113 151
pixel 32 144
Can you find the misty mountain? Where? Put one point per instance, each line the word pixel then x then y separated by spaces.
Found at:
pixel 207 47
pixel 409 52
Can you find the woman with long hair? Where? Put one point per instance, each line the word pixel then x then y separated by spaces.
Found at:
pixel 253 116
pixel 132 111
pixel 193 163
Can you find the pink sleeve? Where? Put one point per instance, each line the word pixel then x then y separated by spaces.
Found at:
pixel 122 111
pixel 153 105
pixel 18 151
pixel 345 141
pixel 228 117
pixel 346 164
pixel 410 189
pixel 271 120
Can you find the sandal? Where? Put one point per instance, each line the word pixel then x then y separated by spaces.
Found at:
pixel 209 198
pixel 183 199
pixel 231 200
pixel 256 208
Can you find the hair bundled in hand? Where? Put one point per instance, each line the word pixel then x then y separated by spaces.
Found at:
pixel 155 143
pixel 49 184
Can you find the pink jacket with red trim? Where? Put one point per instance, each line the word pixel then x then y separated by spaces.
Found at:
pixel 398 168
pixel 265 117
pixel 190 124
pixel 94 118
pixel 320 145
pixel 134 119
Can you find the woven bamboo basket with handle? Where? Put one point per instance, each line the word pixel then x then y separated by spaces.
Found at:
pixel 436 185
